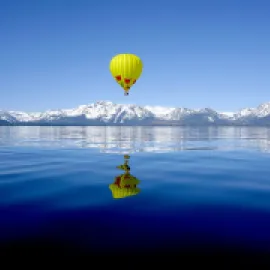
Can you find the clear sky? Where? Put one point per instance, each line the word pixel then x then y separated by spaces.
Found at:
pixel 56 53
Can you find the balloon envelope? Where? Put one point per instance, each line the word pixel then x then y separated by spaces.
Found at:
pixel 126 69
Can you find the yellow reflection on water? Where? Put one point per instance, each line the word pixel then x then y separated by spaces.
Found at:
pixel 125 184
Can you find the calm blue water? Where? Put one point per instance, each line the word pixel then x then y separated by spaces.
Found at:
pixel 199 187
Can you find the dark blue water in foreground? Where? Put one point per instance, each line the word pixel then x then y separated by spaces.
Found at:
pixel 199 187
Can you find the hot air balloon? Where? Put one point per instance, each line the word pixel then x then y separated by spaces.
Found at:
pixel 126 70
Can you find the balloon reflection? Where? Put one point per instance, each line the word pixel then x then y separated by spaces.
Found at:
pixel 125 184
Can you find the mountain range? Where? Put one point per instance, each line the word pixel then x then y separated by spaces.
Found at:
pixel 108 113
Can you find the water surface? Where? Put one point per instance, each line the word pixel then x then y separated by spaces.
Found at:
pixel 198 187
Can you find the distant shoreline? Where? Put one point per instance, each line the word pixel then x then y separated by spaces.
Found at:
pixel 125 125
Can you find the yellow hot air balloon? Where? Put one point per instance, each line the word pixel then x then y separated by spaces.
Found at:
pixel 126 70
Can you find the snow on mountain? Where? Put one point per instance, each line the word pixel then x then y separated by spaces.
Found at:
pixel 7 116
pixel 178 113
pixel 261 111
pixel 24 117
pixel 107 112
pixel 228 114
pixel 161 112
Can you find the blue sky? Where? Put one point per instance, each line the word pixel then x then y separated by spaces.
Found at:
pixel 56 53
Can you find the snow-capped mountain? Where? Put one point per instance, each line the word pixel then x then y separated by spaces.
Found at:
pixel 108 113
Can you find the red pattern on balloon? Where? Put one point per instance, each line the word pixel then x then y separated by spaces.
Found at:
pixel 118 78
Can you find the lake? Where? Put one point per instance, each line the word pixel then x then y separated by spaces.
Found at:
pixel 117 190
